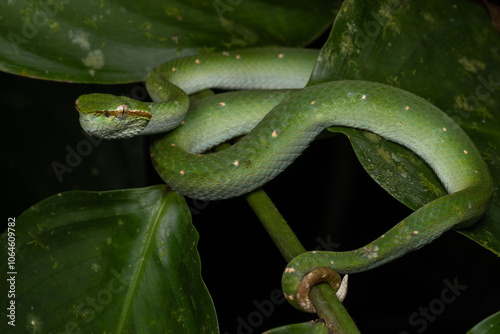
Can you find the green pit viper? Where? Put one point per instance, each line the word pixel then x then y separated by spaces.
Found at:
pixel 280 118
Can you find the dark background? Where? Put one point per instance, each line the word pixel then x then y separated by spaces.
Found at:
pixel 326 196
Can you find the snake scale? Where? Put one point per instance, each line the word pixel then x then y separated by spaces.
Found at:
pixel 280 118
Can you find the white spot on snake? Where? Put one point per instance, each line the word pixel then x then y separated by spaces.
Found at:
pixel 173 145
pixel 182 172
pixel 465 152
pixel 281 56
pixel 363 96
pixel 415 232
pixel 476 172
pixel 407 108
pixel 289 270
pixel 174 69
pixel 238 57
pixel 222 104
pixel 313 102
pixel 290 297
pixel 470 206
pixel 183 122
pixel 444 129
pixel 197 61
pixel 225 53
pixel 236 163
pixel 275 133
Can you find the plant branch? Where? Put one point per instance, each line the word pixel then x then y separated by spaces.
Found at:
pixel 328 306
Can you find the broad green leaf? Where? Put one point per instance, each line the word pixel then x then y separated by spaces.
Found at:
pixel 116 41
pixel 107 262
pixel 311 327
pixel 490 325
pixel 446 52
pixel 399 171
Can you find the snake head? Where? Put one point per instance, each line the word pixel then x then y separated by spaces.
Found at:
pixel 112 117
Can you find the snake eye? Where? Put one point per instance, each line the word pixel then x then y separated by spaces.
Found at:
pixel 122 111
pixel 107 115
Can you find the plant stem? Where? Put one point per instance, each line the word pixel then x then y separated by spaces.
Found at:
pixel 328 306
pixel 275 224
pixel 331 309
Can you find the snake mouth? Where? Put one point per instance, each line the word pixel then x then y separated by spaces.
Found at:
pixel 88 124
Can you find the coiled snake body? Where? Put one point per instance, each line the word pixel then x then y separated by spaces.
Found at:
pixel 294 120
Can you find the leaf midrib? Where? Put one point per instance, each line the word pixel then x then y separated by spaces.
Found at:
pixel 128 303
